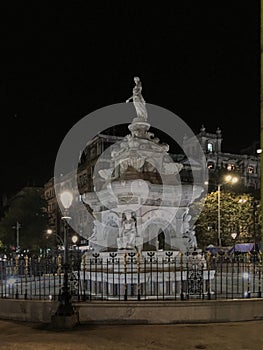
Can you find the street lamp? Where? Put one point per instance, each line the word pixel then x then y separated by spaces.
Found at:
pixel 234 236
pixel 74 239
pixel 17 228
pixel 65 307
pixel 230 180
pixel 255 206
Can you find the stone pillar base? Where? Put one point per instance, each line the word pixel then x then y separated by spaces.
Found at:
pixel 65 322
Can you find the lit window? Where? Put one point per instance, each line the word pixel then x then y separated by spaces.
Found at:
pixel 230 167
pixel 250 169
pixel 210 147
pixel 211 165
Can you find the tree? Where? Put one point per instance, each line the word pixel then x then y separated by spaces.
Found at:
pixel 238 213
pixel 28 208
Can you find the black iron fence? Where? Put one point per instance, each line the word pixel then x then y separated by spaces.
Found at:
pixel 132 276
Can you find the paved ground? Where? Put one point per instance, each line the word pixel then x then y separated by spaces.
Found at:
pixel 234 336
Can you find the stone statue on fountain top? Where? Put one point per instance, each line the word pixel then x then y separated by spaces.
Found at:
pixel 138 100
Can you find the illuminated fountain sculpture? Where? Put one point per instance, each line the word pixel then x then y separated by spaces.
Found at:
pixel 140 203
pixel 143 241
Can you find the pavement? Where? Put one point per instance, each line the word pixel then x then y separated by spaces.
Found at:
pixel 213 336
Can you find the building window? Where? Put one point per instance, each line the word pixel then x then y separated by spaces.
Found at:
pixel 251 169
pixel 230 167
pixel 210 147
pixel 210 165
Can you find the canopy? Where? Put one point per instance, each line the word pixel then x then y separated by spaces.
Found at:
pixel 212 250
pixel 242 248
pixel 215 250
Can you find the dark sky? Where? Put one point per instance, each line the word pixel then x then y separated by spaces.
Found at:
pixel 200 59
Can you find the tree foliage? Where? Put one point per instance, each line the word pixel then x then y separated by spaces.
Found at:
pixel 28 209
pixel 239 214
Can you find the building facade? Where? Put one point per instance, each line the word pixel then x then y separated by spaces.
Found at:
pixel 246 166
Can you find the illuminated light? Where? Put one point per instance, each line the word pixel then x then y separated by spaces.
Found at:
pixel 228 178
pixel 66 198
pixel 245 275
pixel 234 180
pixel 231 179
pixel 242 200
pixel 234 235
pixel 250 169
pixel 74 239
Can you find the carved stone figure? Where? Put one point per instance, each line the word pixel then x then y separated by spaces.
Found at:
pixel 186 224
pixel 193 238
pixel 106 173
pixel 138 100
pixel 189 233
pixel 94 236
pixel 128 232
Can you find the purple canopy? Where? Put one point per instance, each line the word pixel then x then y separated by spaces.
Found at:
pixel 242 248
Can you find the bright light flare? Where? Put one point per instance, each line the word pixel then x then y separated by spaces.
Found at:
pixel 66 199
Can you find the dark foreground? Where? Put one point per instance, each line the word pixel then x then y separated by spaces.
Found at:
pixel 234 336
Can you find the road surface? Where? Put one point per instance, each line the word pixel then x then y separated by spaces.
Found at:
pixel 234 336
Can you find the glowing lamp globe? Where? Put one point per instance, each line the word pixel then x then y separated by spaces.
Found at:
pixel 66 198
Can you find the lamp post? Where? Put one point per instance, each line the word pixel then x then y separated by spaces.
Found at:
pixel 234 236
pixel 17 228
pixel 229 179
pixel 65 307
pixel 255 206
pixel 219 215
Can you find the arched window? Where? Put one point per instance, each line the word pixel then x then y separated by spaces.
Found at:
pixel 210 147
pixel 230 166
pixel 210 165
pixel 250 169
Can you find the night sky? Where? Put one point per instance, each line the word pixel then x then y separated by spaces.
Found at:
pixel 199 59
